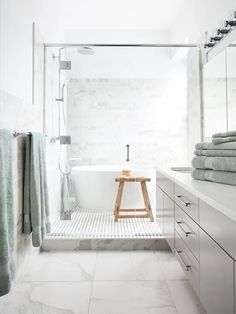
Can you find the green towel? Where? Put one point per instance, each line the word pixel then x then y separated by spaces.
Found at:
pixel 225 134
pixel 215 176
pixel 225 146
pixel 36 208
pixel 7 264
pixel 215 152
pixel 215 163
pixel 220 140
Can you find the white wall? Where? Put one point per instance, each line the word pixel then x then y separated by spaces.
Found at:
pixel 16 109
pixel 197 17
pixel 16 18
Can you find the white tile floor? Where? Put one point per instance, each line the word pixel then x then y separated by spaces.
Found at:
pixel 134 282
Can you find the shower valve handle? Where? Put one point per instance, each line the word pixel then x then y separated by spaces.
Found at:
pixel 127 152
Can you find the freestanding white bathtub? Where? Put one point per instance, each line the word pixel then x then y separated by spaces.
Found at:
pixel 95 187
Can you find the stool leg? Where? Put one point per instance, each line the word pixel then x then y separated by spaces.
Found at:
pixel 118 200
pixel 147 201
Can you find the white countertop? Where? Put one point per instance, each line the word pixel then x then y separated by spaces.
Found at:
pixel 220 196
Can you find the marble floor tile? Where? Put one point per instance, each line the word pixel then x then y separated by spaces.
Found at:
pixel 62 266
pixel 49 298
pixel 132 265
pixel 173 271
pixel 133 297
pixel 185 299
pixel 3 301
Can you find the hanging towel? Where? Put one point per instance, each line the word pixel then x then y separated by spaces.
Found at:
pixel 215 152
pixel 7 264
pixel 215 176
pixel 225 134
pixel 36 208
pixel 215 163
pixel 207 145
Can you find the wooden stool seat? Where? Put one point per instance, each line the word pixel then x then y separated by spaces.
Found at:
pixel 147 211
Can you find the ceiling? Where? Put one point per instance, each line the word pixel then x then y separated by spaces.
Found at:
pixel 118 14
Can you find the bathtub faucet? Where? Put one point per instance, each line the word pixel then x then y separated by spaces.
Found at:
pixel 127 152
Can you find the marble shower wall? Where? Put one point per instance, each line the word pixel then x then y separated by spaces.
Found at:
pixel 149 114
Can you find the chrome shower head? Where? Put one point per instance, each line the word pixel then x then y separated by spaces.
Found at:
pixel 88 51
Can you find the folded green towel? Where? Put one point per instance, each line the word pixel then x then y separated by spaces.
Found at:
pixel 215 163
pixel 225 134
pixel 215 176
pixel 36 208
pixel 220 140
pixel 215 152
pixel 207 145
pixel 7 264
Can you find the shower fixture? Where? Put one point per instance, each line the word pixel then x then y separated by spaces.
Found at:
pixel 65 139
pixel 127 153
pixel 62 93
pixel 88 51
pixel 65 65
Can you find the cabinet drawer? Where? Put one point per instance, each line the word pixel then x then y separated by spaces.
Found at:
pixel 188 230
pixel 188 262
pixel 187 201
pixel 166 185
pixel 221 228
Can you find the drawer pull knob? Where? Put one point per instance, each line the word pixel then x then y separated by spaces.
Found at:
pixel 180 224
pixel 186 267
pixel 185 203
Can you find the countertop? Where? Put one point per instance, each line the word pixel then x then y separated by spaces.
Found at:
pixel 220 196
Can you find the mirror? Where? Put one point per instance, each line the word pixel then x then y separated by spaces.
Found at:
pixel 219 87
pixel 231 86
pixel 215 97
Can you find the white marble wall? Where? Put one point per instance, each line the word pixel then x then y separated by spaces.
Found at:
pixel 23 116
pixel 149 114
pixel 15 114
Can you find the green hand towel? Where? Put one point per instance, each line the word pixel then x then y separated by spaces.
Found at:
pixel 225 134
pixel 220 140
pixel 207 145
pixel 215 152
pixel 215 163
pixel 36 208
pixel 7 264
pixel 215 176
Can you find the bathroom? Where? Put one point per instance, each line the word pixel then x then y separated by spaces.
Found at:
pixel 116 195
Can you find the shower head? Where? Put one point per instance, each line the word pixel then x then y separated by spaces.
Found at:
pixel 88 51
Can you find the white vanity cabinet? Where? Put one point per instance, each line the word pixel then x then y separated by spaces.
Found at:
pixel 159 208
pixel 165 198
pixel 203 238
pixel 216 277
pixel 169 221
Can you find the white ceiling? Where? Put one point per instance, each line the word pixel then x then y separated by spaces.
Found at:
pixel 118 14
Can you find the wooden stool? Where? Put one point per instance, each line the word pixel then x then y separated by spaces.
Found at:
pixel 147 209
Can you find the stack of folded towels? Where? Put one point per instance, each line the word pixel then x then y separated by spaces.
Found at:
pixel 216 161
